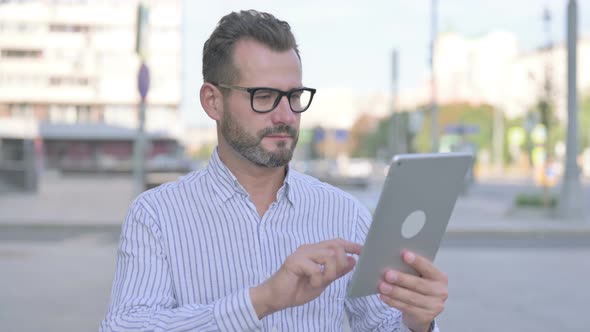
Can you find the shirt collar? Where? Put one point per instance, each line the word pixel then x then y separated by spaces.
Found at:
pixel 226 184
pixel 288 188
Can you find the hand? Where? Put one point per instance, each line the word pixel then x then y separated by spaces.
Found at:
pixel 420 299
pixel 304 275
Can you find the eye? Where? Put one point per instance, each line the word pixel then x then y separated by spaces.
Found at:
pixel 296 94
pixel 264 95
pixel 261 96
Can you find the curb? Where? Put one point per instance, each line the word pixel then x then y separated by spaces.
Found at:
pixel 520 232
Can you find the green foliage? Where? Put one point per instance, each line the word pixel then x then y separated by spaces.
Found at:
pixel 510 123
pixel 535 200
pixel 557 133
pixel 372 142
pixel 423 140
pixel 480 116
pixel 367 147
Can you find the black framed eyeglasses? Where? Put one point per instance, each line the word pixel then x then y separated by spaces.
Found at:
pixel 264 100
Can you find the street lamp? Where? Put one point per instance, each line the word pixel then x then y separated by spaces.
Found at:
pixel 433 107
pixel 571 202
pixel 143 85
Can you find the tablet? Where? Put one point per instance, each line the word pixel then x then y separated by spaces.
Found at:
pixel 413 212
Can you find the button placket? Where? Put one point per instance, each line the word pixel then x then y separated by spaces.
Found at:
pixel 266 229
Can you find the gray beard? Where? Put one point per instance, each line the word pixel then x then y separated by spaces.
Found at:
pixel 250 147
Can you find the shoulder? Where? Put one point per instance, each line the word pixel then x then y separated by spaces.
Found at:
pixel 170 192
pixel 309 186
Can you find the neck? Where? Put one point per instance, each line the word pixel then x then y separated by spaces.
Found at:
pixel 261 183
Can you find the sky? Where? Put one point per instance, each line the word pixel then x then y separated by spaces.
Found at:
pixel 347 45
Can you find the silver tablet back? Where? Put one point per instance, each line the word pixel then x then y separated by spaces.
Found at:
pixel 414 208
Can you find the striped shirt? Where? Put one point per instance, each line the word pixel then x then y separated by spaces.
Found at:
pixel 191 249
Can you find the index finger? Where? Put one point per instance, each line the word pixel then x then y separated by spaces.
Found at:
pixel 423 266
pixel 348 246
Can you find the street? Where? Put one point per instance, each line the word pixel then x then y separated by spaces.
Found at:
pixel 60 280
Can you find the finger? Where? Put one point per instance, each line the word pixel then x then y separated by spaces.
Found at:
pixel 327 266
pixel 345 262
pixel 348 246
pixel 405 308
pixel 319 255
pixel 312 271
pixel 330 266
pixel 416 284
pixel 407 296
pixel 351 263
pixel 423 266
pixel 341 258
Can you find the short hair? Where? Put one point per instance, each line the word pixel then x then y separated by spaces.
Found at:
pixel 218 66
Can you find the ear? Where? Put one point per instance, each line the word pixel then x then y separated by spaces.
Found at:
pixel 212 101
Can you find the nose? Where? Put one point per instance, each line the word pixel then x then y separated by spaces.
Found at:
pixel 282 113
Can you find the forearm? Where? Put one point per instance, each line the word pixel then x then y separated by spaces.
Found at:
pixel 260 302
pixel 234 312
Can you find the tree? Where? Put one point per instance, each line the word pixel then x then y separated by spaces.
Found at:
pixel 478 116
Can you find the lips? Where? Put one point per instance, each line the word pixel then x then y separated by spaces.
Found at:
pixel 279 136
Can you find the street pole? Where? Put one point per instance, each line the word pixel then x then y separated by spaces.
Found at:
pixel 143 85
pixel 547 108
pixel 434 107
pixel 139 149
pixel 396 131
pixel 571 202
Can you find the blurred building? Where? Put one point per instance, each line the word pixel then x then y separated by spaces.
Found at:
pixel 68 74
pixel 473 70
pixel 488 69
pixel 491 69
pixel 527 73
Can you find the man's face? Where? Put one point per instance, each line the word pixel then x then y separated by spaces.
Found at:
pixel 267 139
pixel 250 145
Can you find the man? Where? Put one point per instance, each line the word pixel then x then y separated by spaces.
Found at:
pixel 248 243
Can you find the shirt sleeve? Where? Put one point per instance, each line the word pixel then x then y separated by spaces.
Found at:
pixel 369 313
pixel 143 297
pixel 404 328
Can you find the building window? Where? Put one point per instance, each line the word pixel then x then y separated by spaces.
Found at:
pixel 21 53
pixel 21 111
pixel 21 80
pixel 83 114
pixel 62 114
pixel 68 81
pixel 58 27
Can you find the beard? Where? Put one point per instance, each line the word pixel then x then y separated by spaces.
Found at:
pixel 250 146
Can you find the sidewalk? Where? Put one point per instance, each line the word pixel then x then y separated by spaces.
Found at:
pixel 102 201
pixel 79 200
pixel 476 213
